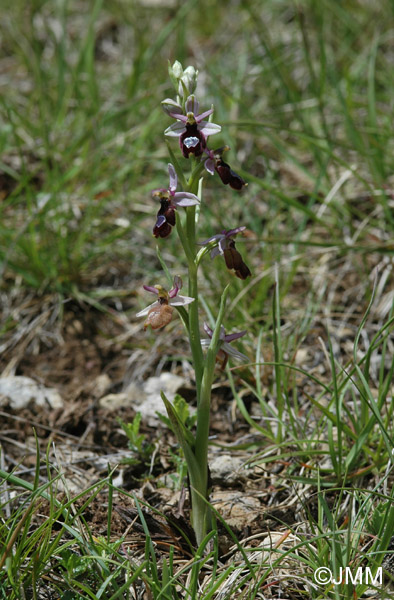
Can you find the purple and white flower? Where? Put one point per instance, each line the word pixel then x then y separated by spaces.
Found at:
pixel 225 245
pixel 224 350
pixel 215 162
pixel 170 199
pixel 159 313
pixel 191 128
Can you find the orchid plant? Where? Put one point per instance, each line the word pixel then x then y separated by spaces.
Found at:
pixel 192 129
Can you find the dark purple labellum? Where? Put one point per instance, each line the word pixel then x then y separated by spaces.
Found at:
pixel 234 261
pixel 228 176
pixel 192 141
pixel 162 230
pixel 165 219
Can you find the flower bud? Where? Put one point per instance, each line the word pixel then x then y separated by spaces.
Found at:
pixel 171 106
pixel 189 78
pixel 177 70
pixel 184 81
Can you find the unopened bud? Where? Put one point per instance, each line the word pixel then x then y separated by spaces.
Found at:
pixel 189 78
pixel 177 69
pixel 171 106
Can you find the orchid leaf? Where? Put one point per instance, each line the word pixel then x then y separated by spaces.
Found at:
pixel 184 437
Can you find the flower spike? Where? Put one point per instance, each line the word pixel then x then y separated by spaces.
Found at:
pixel 192 126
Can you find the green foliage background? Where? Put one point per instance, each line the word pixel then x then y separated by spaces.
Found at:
pixel 304 91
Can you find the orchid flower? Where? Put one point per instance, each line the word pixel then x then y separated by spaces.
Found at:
pixel 225 350
pixel 214 162
pixel 159 313
pixel 170 199
pixel 226 247
pixel 191 129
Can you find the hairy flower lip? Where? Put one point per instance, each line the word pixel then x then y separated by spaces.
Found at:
pixel 214 162
pixel 192 141
pixel 165 218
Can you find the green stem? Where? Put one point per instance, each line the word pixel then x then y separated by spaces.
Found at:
pixel 196 454
pixel 194 321
pixel 184 240
pixel 203 410
pixel 193 328
pixel 201 512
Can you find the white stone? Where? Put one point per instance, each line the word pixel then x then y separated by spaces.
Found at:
pixel 227 469
pixel 17 391
pixel 167 382
pixel 146 398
